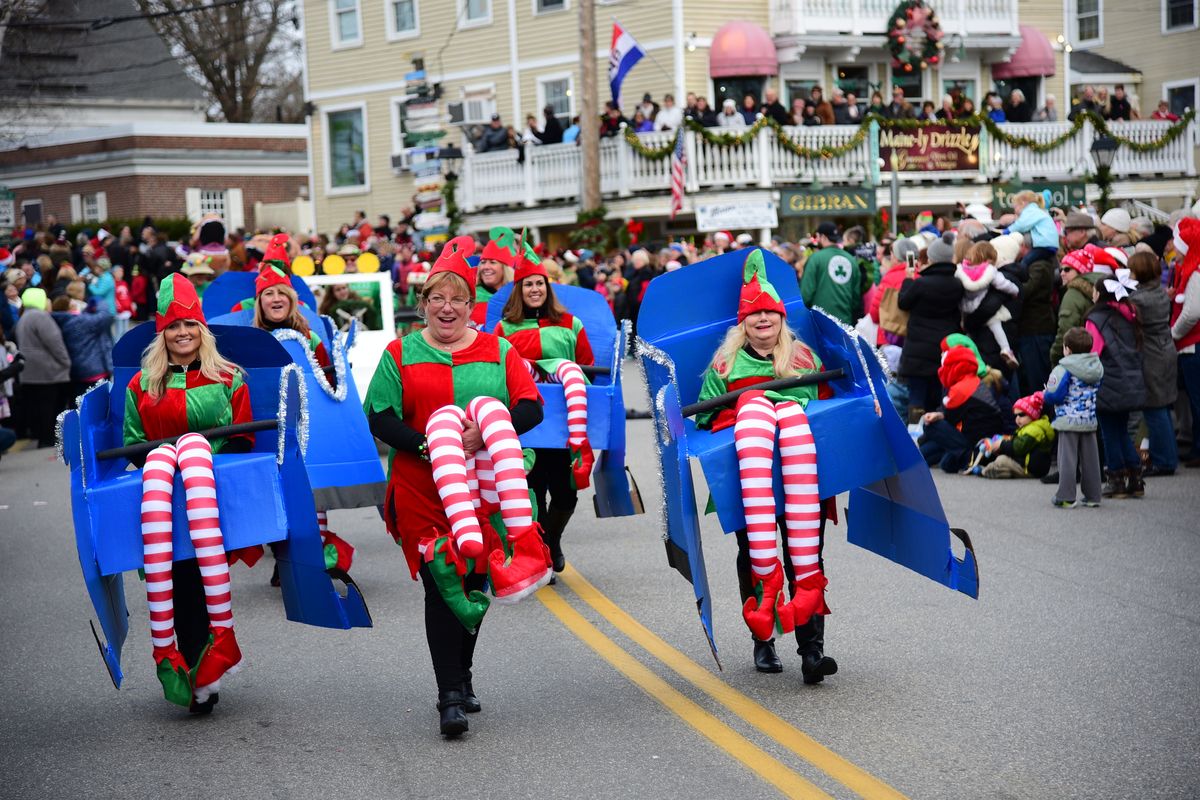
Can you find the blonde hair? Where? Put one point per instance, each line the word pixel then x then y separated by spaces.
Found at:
pixel 981 252
pixel 295 320
pixel 156 363
pixel 1027 196
pixel 789 355
pixel 77 290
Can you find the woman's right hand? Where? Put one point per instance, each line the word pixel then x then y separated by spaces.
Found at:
pixel 472 438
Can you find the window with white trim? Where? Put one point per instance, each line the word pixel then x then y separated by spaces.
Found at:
pixel 92 207
pixel 346 148
pixel 474 12
pixel 397 105
pixel 212 201
pixel 544 6
pixel 1181 96
pixel 403 19
pixel 1179 15
pixel 555 92
pixel 346 23
pixel 476 107
pixel 1088 27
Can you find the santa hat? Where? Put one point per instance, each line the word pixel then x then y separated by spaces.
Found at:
pixel 1187 244
pixel 276 253
pixel 501 246
pixel 453 258
pixel 1119 255
pixel 527 262
pixel 7 258
pixel 959 374
pixel 1102 260
pixel 726 235
pixel 757 292
pixel 1030 406
pixel 270 275
pixel 177 299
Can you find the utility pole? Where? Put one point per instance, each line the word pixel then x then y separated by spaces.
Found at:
pixel 589 128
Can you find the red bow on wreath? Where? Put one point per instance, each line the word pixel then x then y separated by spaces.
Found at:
pixel 635 229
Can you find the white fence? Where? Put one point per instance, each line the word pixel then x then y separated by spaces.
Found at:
pixel 789 17
pixel 294 215
pixel 552 173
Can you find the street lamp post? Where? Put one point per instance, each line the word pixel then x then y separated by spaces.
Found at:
pixel 895 197
pixel 1104 150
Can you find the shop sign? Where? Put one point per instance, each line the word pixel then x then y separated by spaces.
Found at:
pixel 736 216
pixel 1064 194
pixel 848 201
pixel 931 148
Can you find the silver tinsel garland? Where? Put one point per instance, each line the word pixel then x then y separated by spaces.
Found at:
pixel 855 338
pixel 662 432
pixel 339 362
pixel 301 418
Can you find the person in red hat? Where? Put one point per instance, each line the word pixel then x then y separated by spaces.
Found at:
pixel 761 347
pixel 970 412
pixel 1079 278
pixel 277 309
pixel 450 401
pixel 554 345
pixel 1185 319
pixel 498 256
pixel 185 385
pixel 276 259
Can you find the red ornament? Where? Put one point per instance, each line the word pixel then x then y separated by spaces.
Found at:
pixel 933 59
pixel 900 40
pixel 908 67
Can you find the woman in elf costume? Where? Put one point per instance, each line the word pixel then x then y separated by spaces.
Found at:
pixel 554 345
pixel 185 385
pixel 449 401
pixel 277 309
pixel 761 347
pixel 276 256
pixel 498 256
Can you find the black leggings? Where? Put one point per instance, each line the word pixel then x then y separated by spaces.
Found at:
pixel 551 475
pixel 191 611
pixel 451 647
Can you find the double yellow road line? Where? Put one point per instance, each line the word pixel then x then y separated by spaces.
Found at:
pixel 789 782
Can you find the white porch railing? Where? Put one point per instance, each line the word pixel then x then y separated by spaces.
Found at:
pixel 800 17
pixel 552 173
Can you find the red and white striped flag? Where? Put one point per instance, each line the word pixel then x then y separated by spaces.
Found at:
pixel 678 165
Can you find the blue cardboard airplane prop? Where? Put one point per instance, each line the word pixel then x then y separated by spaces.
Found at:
pixel 862 445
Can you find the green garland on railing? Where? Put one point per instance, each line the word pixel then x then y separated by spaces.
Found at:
pixel 746 135
pixel 450 204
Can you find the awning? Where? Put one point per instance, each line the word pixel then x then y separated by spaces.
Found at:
pixel 1034 58
pixel 742 48
pixel 1088 67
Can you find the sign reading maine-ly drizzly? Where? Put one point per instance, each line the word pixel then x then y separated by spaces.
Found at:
pixel 930 148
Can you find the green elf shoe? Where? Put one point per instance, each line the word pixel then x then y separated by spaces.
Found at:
pixel 173 675
pixel 468 607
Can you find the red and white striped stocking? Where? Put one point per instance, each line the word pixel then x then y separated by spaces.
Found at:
pixel 339 554
pixel 204 527
pixel 503 463
pixel 802 510
pixel 575 393
pixel 443 432
pixel 158 477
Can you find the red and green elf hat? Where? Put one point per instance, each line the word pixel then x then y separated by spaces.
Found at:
pixel 177 299
pixel 501 246
pixel 528 262
pixel 757 292
pixel 453 258
pixel 277 252
pixel 270 275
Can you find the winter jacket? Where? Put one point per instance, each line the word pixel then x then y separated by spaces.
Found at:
pixel 89 342
pixel 1073 309
pixel 979 417
pixel 1037 223
pixel 1031 447
pixel 1072 390
pixel 1125 388
pixel 932 302
pixel 832 280
pixel 1037 309
pixel 103 290
pixel 1159 359
pixel 493 139
pixel 41 342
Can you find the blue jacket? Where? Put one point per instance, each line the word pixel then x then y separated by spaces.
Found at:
pixel 1072 390
pixel 1035 221
pixel 89 342
pixel 105 292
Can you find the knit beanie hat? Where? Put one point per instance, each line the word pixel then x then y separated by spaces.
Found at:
pixel 1030 406
pixel 941 251
pixel 1117 219
pixel 34 298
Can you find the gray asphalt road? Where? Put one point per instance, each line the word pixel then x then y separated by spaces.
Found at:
pixel 1074 675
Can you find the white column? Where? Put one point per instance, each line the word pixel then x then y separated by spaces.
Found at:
pixel 514 71
pixel 678 45
pixel 624 176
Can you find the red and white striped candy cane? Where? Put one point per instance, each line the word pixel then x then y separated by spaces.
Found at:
pixel 443 433
pixel 507 461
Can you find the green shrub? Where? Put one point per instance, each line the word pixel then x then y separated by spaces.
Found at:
pixel 174 228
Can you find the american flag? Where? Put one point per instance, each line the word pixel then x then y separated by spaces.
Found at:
pixel 678 164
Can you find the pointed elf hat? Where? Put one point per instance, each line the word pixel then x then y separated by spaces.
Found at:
pixel 277 252
pixel 453 258
pixel 528 262
pixel 757 292
pixel 501 246
pixel 270 275
pixel 177 299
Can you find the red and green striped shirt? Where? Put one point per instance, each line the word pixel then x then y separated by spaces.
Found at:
pixel 191 402
pixel 548 343
pixel 748 370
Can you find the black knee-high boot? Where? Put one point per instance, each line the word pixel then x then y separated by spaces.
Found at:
pixel 553 525
pixel 810 644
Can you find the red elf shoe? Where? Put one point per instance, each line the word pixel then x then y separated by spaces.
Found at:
pixel 220 657
pixel 808 597
pixel 525 571
pixel 582 461
pixel 173 675
pixel 339 554
pixel 766 613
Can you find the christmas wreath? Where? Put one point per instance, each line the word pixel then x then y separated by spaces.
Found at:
pixel 914 37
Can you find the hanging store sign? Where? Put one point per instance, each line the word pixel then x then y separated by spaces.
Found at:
pixel 930 148
pixel 1065 194
pixel 739 216
pixel 847 201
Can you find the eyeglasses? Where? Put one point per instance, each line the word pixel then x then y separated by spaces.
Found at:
pixel 437 301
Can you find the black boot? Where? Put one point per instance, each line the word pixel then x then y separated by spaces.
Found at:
pixel 810 640
pixel 1134 483
pixel 454 717
pixel 470 701
pixel 765 657
pixel 1116 486
pixel 206 707
pixel 552 530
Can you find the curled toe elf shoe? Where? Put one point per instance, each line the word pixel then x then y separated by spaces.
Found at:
pixel 467 607
pixel 808 596
pixel 339 554
pixel 766 613
pixel 221 656
pixel 173 674
pixel 528 569
pixel 582 461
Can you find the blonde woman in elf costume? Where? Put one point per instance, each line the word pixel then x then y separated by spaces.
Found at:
pixel 277 308
pixel 498 256
pixel 554 345
pixel 761 347
pixel 185 385
pixel 449 401
pixel 275 256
